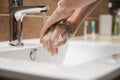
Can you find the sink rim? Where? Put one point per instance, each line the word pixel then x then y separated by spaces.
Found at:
pixel 55 71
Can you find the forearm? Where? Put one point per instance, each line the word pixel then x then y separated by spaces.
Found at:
pixel 55 17
pixel 70 5
pixel 81 7
pixel 65 8
pixel 80 14
pixel 75 18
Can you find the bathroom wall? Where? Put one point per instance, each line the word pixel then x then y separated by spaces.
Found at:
pixel 4 27
pixel 4 20
pixel 4 6
pixel 33 22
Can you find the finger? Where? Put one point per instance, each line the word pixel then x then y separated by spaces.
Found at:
pixel 48 47
pixel 55 51
pixel 61 41
pixel 44 41
pixel 54 37
pixel 51 47
pixel 46 38
pixel 44 29
pixel 43 32
pixel 48 42
pixel 58 31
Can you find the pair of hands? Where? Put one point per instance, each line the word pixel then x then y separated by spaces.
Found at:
pixel 56 36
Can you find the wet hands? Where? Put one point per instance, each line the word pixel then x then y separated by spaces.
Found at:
pixel 56 36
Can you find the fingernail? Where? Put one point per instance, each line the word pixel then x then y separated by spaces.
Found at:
pixel 51 54
pixel 55 51
pixel 40 40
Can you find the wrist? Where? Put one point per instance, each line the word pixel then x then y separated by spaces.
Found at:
pixel 60 9
pixel 68 26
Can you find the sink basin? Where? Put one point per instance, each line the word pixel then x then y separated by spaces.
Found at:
pixel 35 53
pixel 73 61
pixel 72 53
pixel 80 52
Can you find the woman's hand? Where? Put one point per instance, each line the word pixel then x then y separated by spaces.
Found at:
pixel 56 36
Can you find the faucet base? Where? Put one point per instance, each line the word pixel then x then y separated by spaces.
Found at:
pixel 16 43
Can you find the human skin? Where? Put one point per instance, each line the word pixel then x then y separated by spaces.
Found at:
pixel 75 19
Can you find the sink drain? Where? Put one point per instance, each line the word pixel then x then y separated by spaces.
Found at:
pixel 33 54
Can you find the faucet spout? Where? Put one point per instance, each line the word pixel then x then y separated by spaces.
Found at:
pixel 19 15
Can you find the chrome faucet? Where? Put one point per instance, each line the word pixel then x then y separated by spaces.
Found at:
pixel 18 21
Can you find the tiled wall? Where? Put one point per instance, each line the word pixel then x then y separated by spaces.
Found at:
pixel 4 6
pixel 33 23
pixel 4 20
pixel 4 27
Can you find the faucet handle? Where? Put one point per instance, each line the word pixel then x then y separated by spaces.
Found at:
pixel 43 10
pixel 41 6
pixel 47 7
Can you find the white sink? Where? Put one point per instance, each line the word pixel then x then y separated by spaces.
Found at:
pixel 39 55
pixel 70 57
pixel 72 54
pixel 80 52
